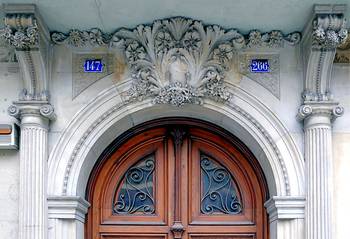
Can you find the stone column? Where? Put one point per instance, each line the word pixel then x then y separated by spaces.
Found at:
pixel 318 117
pixel 34 118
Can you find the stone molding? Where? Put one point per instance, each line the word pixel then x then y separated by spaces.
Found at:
pixel 96 125
pixel 96 38
pixel 88 130
pixel 285 208
pixel 67 207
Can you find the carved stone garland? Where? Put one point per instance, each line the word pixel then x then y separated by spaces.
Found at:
pixel 177 61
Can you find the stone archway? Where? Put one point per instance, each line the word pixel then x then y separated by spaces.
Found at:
pixel 108 116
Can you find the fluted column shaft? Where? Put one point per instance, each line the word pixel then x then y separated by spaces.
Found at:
pixel 319 167
pixel 33 210
pixel 318 159
pixel 33 175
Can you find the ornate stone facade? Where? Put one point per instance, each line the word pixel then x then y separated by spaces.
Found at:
pixel 178 61
pixel 174 67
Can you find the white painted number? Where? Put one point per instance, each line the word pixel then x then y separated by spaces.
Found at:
pixel 93 66
pixel 260 66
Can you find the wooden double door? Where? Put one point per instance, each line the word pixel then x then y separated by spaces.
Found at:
pixel 177 181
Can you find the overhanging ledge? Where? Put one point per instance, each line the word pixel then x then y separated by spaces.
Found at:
pixel 289 207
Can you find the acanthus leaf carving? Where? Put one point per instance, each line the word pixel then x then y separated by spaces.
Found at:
pixel 178 61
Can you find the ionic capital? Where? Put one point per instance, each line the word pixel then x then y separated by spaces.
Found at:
pixel 319 112
pixel 36 112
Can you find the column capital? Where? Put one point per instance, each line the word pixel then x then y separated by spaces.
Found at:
pixel 319 113
pixel 326 108
pixel 38 109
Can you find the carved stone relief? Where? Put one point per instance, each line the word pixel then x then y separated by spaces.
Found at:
pixel 269 80
pixel 179 61
pixel 20 31
pixel 328 36
pixel 82 79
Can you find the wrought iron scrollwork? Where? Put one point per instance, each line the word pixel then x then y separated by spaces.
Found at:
pixel 219 194
pixel 135 194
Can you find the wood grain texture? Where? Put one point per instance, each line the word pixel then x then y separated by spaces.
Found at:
pixel 177 185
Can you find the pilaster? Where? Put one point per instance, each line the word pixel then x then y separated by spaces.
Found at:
pixel 324 33
pixel 286 216
pixel 34 117
pixel 25 32
pixel 67 216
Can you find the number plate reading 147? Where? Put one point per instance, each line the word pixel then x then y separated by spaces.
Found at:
pixel 260 66
pixel 93 65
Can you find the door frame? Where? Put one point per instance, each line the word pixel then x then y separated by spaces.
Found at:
pixel 86 136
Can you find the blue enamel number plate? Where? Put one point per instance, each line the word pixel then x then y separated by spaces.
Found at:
pixel 260 66
pixel 93 65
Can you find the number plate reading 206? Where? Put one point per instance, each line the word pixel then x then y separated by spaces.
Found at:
pixel 93 65
pixel 260 66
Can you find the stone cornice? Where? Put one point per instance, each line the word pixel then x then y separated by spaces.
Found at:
pixel 285 207
pixel 254 39
pixel 20 109
pixel 67 207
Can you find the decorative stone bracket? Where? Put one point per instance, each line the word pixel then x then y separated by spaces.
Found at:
pixel 324 33
pixel 27 34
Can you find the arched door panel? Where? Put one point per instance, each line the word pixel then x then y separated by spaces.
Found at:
pixel 177 182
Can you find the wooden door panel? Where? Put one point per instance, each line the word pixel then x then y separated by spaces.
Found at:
pixel 180 174
pixel 154 148
pixel 210 150
pixel 233 236
pixel 135 236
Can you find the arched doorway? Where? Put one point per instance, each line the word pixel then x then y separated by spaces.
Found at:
pixel 177 178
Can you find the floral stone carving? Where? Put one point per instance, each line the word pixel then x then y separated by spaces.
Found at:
pixel 20 31
pixel 329 32
pixel 177 61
